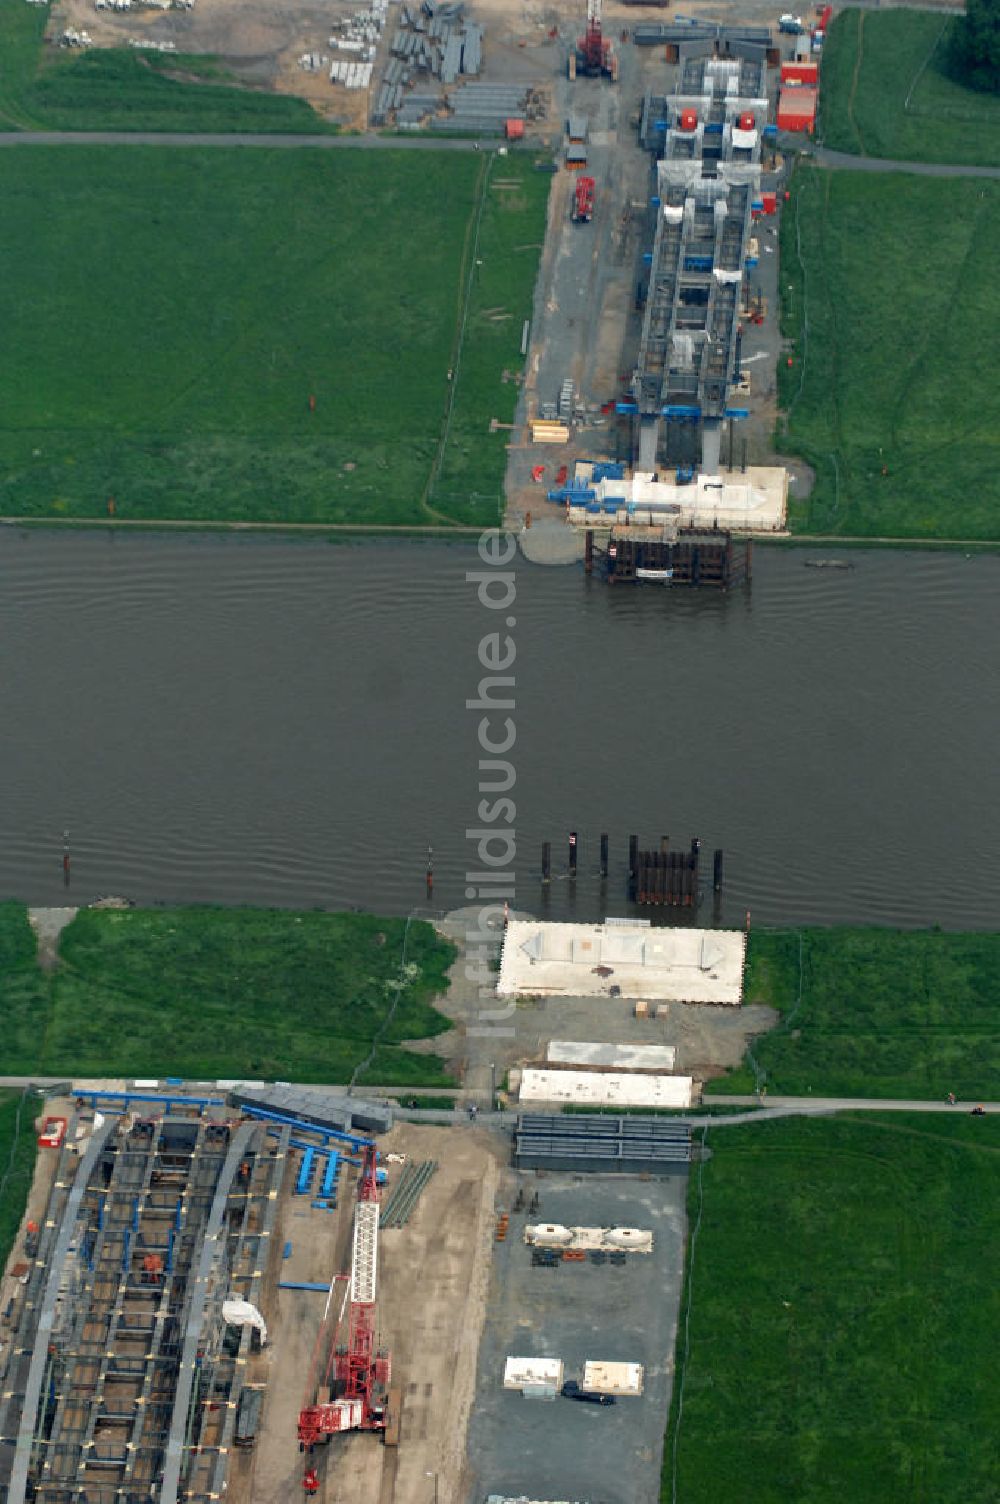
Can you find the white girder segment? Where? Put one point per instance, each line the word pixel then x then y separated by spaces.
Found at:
pixel 364 1263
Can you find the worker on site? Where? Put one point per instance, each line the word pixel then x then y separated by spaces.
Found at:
pixel 311 1482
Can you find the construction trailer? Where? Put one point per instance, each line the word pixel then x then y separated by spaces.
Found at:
pixel 797 108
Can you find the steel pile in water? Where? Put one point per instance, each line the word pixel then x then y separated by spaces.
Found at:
pixel 399 1208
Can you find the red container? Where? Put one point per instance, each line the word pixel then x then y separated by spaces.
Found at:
pixel 800 73
pixel 797 108
pixel 747 122
pixel 826 15
pixel 770 203
pixel 514 130
pixel 689 120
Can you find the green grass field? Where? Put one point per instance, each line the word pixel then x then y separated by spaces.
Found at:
pixel 17 1163
pixel 887 304
pixel 886 92
pixel 208 993
pixel 843 1315
pixel 875 1013
pixel 48 88
pixel 169 314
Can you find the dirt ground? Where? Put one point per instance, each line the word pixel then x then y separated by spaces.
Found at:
pixel 261 41
pixel 482 1046
pixel 432 1291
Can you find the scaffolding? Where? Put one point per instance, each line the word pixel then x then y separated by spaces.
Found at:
pixel 123 1381
pixel 708 139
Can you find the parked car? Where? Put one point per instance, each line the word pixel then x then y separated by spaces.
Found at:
pixel 572 1391
pixel 791 25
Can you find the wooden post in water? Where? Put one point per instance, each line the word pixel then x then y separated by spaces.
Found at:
pixel 588 551
pixel 717 871
pixel 546 861
pixel 604 856
pixel 572 853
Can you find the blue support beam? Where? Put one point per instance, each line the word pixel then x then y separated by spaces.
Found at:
pixel 330 1176
pixel 267 1116
pixel 304 1178
pixel 85 1094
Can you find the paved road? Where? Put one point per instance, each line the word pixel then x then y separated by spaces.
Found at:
pixel 373 141
pixel 777 1107
pixel 235 138
pixel 838 159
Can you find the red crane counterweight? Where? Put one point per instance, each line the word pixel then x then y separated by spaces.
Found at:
pixel 593 54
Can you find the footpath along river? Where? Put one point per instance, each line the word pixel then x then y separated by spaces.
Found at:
pixel 272 721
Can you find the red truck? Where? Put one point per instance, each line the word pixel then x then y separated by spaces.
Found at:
pixel 583 201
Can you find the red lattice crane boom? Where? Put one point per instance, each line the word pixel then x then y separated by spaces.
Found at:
pixel 360 1374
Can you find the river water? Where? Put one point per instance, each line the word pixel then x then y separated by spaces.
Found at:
pixel 271 721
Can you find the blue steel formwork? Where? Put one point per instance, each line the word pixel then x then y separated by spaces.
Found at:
pixel 121 1343
pixel 707 183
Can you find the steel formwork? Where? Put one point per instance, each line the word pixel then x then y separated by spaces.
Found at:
pixel 123 1379
pixel 601 1143
pixel 707 179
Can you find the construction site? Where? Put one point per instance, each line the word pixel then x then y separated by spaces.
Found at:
pixel 271 1293
pixel 264 1292
pixel 649 401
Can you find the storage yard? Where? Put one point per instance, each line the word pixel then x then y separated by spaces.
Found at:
pixel 601 1307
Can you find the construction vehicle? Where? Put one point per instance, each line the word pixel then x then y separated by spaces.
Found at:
pixel 594 53
pixel 355 1378
pixel 571 1390
pixel 583 201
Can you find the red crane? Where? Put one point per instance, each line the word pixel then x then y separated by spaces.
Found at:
pixel 356 1377
pixel 594 54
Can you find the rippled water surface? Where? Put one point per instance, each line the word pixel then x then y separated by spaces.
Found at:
pixel 268 721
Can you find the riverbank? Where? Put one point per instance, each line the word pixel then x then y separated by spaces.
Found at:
pixel 17 1163
pixel 874 1013
pixel 289 390
pixel 211 993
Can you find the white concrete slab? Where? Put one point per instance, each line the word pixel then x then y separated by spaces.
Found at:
pixel 587 960
pixel 754 500
pixel 605 1089
pixel 612 1057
